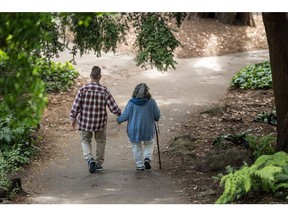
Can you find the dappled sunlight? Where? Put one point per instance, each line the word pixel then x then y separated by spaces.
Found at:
pixel 50 200
pixel 112 189
pixel 211 47
pixel 209 63
pixel 182 101
pixel 155 74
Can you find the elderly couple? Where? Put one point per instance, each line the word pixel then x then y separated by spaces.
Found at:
pixel 89 112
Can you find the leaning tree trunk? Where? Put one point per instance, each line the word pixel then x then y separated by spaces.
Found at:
pixel 276 27
pixel 245 19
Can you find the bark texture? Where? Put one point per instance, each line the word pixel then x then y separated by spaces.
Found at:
pixel 276 27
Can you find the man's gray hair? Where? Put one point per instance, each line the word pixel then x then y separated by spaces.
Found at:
pixel 95 72
pixel 141 91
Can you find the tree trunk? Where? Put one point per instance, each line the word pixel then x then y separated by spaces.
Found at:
pixel 245 19
pixel 227 18
pixel 276 27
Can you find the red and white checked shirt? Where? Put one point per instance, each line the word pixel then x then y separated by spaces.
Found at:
pixel 89 107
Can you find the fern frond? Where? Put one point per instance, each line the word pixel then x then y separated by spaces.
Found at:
pixel 279 159
pixel 224 178
pixel 281 178
pixel 246 179
pixel 267 173
pixel 236 185
pixel 261 161
pixel 226 195
pixel 267 177
pixel 285 169
pixel 281 186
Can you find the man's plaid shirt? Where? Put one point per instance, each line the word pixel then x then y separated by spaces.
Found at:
pixel 89 107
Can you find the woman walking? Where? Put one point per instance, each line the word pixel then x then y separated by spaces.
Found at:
pixel 141 112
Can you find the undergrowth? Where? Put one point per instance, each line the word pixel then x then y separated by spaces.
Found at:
pixel 256 76
pixel 269 174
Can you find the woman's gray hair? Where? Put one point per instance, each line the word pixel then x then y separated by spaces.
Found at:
pixel 141 91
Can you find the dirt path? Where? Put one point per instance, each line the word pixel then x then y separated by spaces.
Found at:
pixel 64 177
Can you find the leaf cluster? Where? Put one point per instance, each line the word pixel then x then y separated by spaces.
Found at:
pixel 261 146
pixel 269 174
pixel 57 76
pixel 267 117
pixel 233 138
pixel 95 32
pixel 155 40
pixel 258 146
pixel 22 89
pixel 257 76
pixel 16 145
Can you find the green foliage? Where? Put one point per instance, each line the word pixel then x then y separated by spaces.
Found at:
pixel 269 173
pixel 23 90
pixel 57 76
pixel 267 117
pixel 3 73
pixel 179 17
pixel 234 138
pixel 12 158
pixel 24 31
pixel 261 146
pixel 94 31
pixel 257 76
pixel 16 145
pixel 155 41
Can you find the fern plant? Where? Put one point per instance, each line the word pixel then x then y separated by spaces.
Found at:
pixel 261 146
pixel 269 173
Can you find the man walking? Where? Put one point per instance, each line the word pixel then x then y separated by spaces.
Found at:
pixel 89 111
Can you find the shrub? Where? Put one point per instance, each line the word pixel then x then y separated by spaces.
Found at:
pixel 269 174
pixel 57 76
pixel 16 145
pixel 257 76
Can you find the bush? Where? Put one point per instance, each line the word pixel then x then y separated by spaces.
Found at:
pixel 257 76
pixel 57 76
pixel 268 174
pixel 16 145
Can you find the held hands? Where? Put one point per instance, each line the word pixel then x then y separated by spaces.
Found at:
pixel 73 124
pixel 117 121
